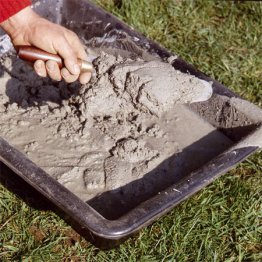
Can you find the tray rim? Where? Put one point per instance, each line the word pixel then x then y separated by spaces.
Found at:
pixel 139 217
pixel 144 214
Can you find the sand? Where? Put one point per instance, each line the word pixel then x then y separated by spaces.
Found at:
pixel 125 132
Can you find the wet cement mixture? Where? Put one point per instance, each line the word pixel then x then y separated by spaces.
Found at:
pixel 125 134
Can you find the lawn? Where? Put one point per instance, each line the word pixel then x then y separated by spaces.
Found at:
pixel 220 223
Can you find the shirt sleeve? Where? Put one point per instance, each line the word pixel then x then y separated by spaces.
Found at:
pixel 10 7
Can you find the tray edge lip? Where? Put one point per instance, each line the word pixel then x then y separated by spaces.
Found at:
pixel 112 225
pixel 116 229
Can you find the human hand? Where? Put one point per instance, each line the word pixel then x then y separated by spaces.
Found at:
pixel 28 28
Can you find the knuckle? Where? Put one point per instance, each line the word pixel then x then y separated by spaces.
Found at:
pixel 68 79
pixel 74 35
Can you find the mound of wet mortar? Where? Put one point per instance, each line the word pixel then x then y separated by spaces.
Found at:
pixel 123 135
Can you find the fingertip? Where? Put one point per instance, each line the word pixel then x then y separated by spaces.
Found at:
pixel 50 65
pixel 39 67
pixel 53 70
pixel 67 76
pixel 72 66
pixel 85 78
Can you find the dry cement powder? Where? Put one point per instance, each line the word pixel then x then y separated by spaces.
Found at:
pixel 101 136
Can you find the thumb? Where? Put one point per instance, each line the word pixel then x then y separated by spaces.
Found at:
pixel 64 49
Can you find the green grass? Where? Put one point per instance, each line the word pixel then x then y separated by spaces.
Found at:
pixel 223 221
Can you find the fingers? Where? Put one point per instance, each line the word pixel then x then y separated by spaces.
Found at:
pixel 40 69
pixel 80 52
pixel 49 68
pixel 85 78
pixel 69 78
pixel 53 70
pixel 70 48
